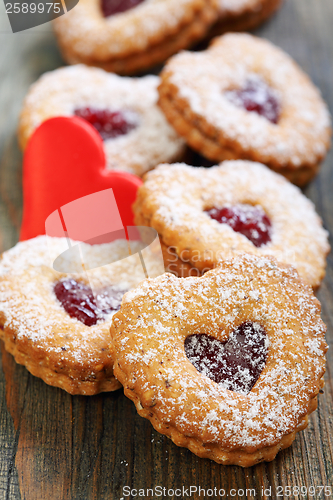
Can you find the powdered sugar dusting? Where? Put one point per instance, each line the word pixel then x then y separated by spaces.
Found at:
pixel 60 92
pixel 174 198
pixel 87 34
pixel 149 331
pixel 29 306
pixel 302 135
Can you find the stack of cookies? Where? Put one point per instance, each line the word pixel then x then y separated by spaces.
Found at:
pixel 225 352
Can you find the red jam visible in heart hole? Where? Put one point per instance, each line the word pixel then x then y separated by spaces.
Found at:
pixel 237 363
pixel 256 96
pixel 111 7
pixel 78 301
pixel 109 124
pixel 251 221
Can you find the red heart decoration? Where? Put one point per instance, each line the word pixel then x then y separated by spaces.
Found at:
pixel 63 161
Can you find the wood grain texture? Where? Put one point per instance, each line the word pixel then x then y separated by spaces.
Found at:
pixel 57 447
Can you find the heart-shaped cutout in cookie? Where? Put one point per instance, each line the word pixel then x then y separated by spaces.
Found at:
pixel 236 363
pixel 79 302
pixel 63 161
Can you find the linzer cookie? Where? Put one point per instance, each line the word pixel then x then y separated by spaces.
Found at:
pixel 207 215
pixel 131 35
pixel 52 323
pixel 243 15
pixel 123 110
pixel 228 365
pixel 244 98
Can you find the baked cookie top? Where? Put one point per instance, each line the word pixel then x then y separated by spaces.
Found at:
pixel 175 200
pixel 149 337
pixel 204 88
pixel 143 138
pixel 33 318
pixel 92 36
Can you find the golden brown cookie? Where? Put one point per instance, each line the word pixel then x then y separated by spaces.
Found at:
pixel 243 15
pixel 134 39
pixel 229 364
pixel 50 321
pixel 207 215
pixel 123 110
pixel 244 98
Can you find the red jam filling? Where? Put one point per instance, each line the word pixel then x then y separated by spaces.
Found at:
pixel 111 7
pixel 78 301
pixel 258 97
pixel 109 124
pixel 237 363
pixel 251 221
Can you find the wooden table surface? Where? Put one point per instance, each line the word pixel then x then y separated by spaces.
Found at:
pixel 54 446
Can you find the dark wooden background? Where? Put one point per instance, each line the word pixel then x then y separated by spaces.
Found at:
pixel 57 447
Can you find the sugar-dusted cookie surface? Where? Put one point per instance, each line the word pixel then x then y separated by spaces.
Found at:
pixel 249 304
pixel 58 338
pixel 133 40
pixel 124 110
pixel 178 200
pixel 245 98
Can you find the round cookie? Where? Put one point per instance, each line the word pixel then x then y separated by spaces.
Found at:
pixel 135 39
pixel 176 200
pixel 50 321
pixel 243 15
pixel 124 110
pixel 244 98
pixel 265 323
